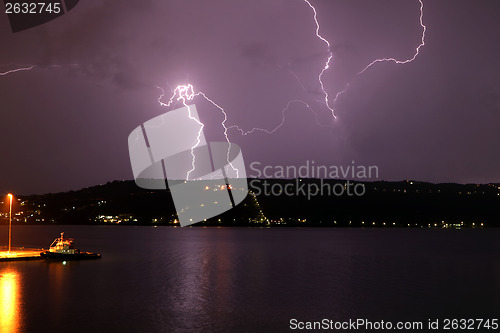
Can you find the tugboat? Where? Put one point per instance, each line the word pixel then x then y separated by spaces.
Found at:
pixel 63 249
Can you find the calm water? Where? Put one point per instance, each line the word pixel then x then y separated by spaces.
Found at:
pixel 247 279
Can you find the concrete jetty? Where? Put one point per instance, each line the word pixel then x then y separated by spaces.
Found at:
pixel 19 254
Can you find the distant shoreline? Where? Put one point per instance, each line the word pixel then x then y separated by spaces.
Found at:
pixel 381 205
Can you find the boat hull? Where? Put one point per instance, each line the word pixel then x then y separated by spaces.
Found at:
pixel 67 256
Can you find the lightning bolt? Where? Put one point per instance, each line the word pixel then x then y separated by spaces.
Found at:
pixel 327 63
pixel 283 118
pixel 417 50
pixel 30 67
pixel 185 93
pixel 400 62
pixel 20 69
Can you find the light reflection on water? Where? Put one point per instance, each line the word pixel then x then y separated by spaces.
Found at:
pixel 10 300
pixel 57 287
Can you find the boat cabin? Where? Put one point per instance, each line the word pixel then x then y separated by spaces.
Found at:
pixel 63 245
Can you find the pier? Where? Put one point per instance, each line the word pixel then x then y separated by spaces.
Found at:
pixel 20 254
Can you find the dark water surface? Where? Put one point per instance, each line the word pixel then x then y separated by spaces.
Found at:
pixel 169 279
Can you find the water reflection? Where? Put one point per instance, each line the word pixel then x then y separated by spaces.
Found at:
pixel 203 283
pixel 58 286
pixel 10 309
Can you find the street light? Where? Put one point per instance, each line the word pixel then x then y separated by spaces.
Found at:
pixel 10 218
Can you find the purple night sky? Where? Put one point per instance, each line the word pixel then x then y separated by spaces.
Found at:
pixel 65 123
